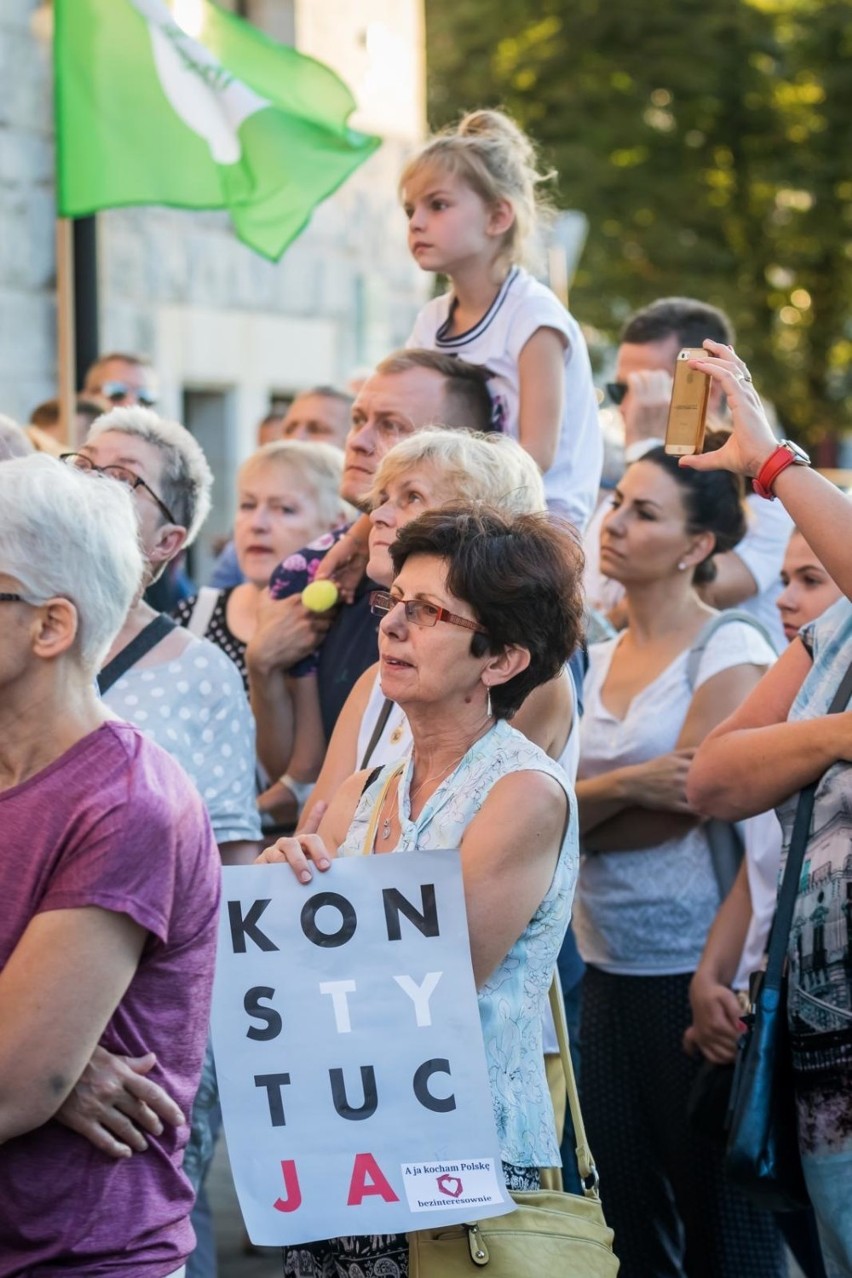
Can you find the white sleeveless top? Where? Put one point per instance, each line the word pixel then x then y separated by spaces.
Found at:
pixel 519 310
pixel 512 1000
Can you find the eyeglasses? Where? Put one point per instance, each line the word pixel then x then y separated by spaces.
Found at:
pixel 420 612
pixel 7 597
pixel 124 476
pixel 616 391
pixel 117 391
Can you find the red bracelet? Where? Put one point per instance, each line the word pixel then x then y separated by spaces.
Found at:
pixel 786 454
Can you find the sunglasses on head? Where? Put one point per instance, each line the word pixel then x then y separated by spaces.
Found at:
pixel 116 391
pixel 616 391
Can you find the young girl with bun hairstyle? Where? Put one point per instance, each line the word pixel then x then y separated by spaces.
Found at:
pixel 472 203
pixel 647 892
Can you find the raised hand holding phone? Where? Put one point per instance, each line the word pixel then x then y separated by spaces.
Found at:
pixel 688 406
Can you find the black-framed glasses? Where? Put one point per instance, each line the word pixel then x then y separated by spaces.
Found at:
pixel 115 392
pixel 7 596
pixel 124 476
pixel 616 391
pixel 420 612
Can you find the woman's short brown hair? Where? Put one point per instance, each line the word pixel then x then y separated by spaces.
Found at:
pixel 520 574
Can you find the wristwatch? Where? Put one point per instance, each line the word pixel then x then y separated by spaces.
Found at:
pixel 786 454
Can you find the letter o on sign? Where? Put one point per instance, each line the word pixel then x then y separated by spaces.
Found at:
pixel 347 925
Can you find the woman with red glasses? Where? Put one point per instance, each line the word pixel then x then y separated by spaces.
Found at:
pixel 483 609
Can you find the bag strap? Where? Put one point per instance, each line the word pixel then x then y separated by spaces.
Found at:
pixel 781 924
pixel 707 632
pixel 381 724
pixel 589 1178
pixel 134 651
pixel 370 836
pixel 202 611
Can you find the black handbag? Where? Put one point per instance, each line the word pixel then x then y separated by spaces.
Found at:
pixel 762 1156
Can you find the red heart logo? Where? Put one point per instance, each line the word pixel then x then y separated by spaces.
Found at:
pixel 450 1185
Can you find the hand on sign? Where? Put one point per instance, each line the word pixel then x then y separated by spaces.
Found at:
pixel 303 849
pixel 113 1104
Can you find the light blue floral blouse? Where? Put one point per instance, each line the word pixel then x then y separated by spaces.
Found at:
pixel 511 1002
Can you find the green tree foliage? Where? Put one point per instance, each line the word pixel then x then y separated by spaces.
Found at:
pixel 709 146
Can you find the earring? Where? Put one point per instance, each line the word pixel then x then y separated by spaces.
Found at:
pixel 488 710
pixel 681 566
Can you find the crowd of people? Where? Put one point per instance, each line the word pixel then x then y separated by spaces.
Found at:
pixel 575 688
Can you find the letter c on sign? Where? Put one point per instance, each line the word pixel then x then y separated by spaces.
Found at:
pixel 438 1065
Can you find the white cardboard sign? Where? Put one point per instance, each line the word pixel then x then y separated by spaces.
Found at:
pixel 349 1051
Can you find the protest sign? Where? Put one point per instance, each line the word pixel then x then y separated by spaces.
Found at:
pixel 349 1052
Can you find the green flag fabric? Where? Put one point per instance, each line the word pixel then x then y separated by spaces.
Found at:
pixel 149 114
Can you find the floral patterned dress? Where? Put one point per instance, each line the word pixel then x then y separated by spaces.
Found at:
pixel 510 1001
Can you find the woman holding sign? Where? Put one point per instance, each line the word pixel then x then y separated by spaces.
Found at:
pixel 483 608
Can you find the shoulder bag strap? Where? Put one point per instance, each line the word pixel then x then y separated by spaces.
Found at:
pixel 585 1162
pixel 777 949
pixel 381 724
pixel 707 631
pixel 134 651
pixel 370 837
pixel 202 613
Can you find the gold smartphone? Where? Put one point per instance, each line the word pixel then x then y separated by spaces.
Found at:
pixel 688 407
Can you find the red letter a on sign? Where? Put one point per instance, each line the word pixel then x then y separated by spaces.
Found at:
pixel 360 1187
pixel 291 1184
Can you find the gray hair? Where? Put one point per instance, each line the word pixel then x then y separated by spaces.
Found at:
pixel 480 468
pixel 318 468
pixel 13 440
pixel 63 535
pixel 186 478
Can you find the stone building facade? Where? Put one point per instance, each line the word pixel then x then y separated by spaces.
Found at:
pixel 226 330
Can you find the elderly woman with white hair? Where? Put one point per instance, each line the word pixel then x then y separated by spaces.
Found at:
pixel 109 881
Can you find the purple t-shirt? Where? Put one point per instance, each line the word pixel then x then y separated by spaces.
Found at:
pixel 114 822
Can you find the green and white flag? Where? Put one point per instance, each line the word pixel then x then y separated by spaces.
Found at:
pixel 149 114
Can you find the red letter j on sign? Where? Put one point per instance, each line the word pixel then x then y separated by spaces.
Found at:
pixel 291 1183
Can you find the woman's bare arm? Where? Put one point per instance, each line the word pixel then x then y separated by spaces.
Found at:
pixel 755 759
pixel 61 985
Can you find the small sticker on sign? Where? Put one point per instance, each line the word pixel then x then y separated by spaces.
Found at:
pixel 462 1183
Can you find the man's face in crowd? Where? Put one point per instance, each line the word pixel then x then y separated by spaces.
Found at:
pixel 317 417
pixel 650 357
pixel 121 384
pixel 389 407
pixel 645 357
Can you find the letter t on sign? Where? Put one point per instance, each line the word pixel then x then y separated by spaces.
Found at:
pixel 338 991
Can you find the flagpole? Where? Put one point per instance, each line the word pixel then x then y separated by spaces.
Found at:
pixel 65 329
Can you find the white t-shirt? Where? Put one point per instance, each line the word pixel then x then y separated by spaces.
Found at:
pixel 647 912
pixel 523 306
pixel 761 550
